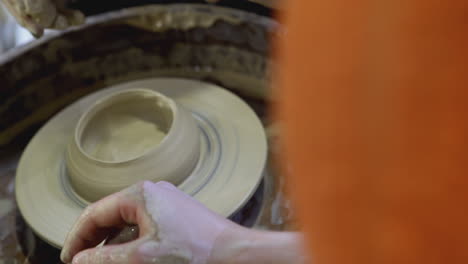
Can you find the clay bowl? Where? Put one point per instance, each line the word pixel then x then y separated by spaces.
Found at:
pixel 169 152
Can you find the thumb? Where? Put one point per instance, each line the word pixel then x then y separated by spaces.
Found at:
pixel 110 254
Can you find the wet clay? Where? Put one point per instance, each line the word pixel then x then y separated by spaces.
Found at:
pixel 123 137
pixel 126 131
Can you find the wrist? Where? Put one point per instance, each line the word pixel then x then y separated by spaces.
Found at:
pixel 239 245
pixel 230 245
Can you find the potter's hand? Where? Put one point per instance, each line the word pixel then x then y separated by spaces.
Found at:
pixel 37 15
pixel 173 227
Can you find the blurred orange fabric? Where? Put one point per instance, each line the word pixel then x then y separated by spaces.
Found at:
pixel 373 96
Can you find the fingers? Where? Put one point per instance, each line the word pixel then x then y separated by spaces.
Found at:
pixel 37 15
pixel 91 227
pixel 118 254
pixel 75 17
pixel 16 8
pixel 60 22
pixel 67 18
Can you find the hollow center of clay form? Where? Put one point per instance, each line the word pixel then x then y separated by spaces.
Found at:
pixel 126 128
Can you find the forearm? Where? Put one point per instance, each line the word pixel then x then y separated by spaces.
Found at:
pixel 245 246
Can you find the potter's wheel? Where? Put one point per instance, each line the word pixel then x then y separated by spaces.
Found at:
pixel 224 46
pixel 215 150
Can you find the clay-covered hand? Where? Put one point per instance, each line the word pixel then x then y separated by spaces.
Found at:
pixel 37 15
pixel 173 228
